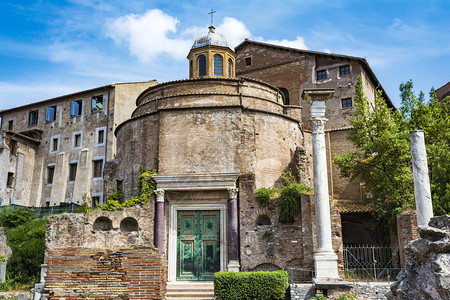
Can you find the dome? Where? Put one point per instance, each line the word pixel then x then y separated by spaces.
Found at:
pixel 212 38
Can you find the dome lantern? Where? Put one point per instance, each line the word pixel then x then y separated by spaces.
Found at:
pixel 211 56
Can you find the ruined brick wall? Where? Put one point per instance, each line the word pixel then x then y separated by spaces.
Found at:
pixel 266 244
pixel 137 273
pixel 406 232
pixel 104 255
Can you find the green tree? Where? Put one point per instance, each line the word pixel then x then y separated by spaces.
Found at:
pixel 383 156
pixel 433 118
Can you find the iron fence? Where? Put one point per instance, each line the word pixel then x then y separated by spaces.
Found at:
pixel 46 211
pixel 371 262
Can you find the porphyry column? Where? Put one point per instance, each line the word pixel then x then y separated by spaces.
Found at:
pixel 159 221
pixel 424 206
pixel 233 253
pixel 325 260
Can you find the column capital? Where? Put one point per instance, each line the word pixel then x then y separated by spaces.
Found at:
pixel 159 195
pixel 232 192
pixel 318 124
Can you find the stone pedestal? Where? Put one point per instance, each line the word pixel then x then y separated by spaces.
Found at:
pixel 159 221
pixel 424 207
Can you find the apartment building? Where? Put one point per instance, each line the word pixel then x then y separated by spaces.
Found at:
pixel 53 151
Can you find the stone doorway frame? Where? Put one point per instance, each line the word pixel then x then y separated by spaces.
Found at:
pixel 197 182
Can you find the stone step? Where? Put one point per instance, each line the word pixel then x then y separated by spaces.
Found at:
pixel 190 290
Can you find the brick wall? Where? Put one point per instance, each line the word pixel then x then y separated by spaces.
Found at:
pixel 406 231
pixel 104 255
pixel 74 273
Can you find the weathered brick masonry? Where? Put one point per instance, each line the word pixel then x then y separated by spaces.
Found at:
pixel 76 273
pixel 104 255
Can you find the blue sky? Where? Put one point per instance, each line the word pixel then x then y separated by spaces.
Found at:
pixel 51 48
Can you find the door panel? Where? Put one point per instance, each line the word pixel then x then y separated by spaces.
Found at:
pixel 198 244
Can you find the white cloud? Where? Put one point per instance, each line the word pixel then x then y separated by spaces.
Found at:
pixel 24 92
pixel 234 30
pixel 147 35
pixel 298 43
pixel 154 33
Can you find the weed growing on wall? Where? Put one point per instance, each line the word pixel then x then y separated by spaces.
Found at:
pixel 288 195
pixel 146 187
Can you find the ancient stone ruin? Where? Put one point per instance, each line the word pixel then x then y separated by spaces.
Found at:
pixel 427 273
pixel 103 255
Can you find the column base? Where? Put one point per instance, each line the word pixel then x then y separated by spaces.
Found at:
pixel 326 267
pixel 233 265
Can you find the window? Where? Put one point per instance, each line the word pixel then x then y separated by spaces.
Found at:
pixel 10 180
pixel 95 201
pixel 33 117
pixel 54 144
pixel 217 65
pixel 230 68
pixel 100 136
pixel 248 61
pixel 75 108
pixel 201 66
pixel 50 173
pixel 321 75
pixel 12 147
pixel 190 69
pixel 76 140
pixel 344 70
pixel 72 171
pixel 50 114
pixel 346 103
pixel 10 125
pixel 285 93
pixel 98 168
pixel 97 104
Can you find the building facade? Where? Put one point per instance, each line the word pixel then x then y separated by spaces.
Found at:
pixel 236 125
pixel 54 151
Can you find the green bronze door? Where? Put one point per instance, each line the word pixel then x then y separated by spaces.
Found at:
pixel 198 244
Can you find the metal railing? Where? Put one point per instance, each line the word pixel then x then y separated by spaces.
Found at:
pixel 46 211
pixel 371 262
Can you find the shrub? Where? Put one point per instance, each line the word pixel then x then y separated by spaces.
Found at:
pixel 348 296
pixel 12 218
pixel 289 203
pixel 264 195
pixel 250 285
pixel 27 242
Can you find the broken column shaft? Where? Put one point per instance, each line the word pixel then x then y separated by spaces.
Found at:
pixel 424 206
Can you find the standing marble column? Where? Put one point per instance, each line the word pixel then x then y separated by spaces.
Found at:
pixel 159 221
pixel 233 252
pixel 424 206
pixel 325 260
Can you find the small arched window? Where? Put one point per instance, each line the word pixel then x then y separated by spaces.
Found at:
pixel 285 93
pixel 201 66
pixel 190 69
pixel 230 68
pixel 217 65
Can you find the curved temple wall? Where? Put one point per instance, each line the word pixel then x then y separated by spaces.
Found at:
pixel 208 126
